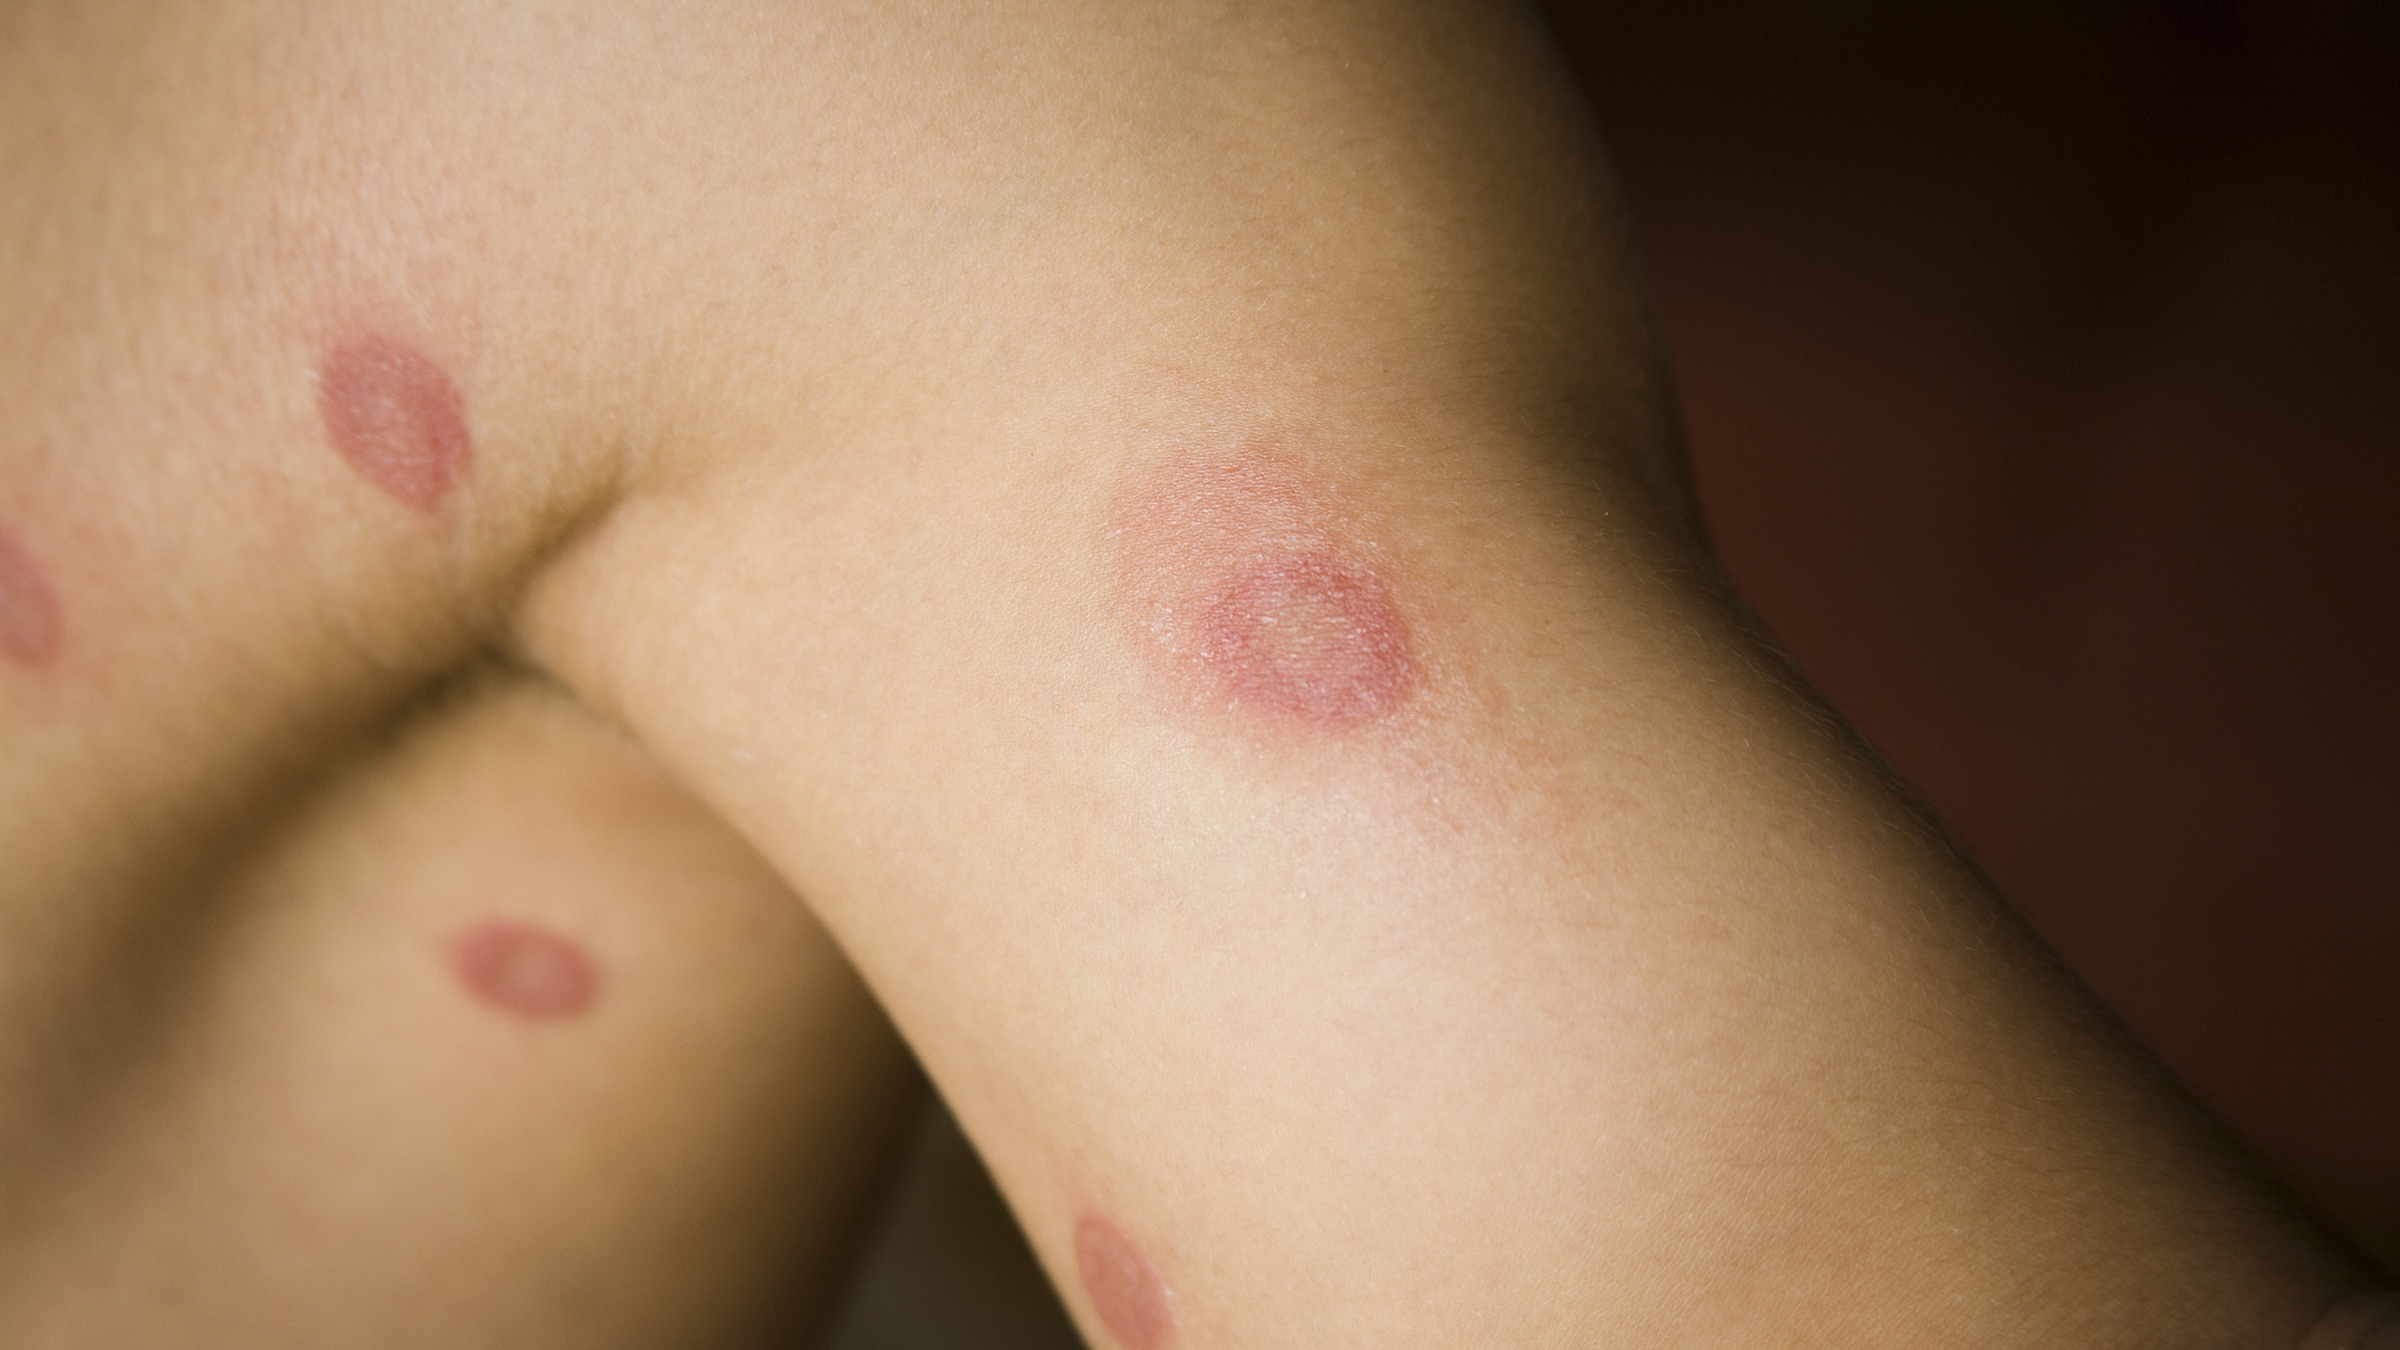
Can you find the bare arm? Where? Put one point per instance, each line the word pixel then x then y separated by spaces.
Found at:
pixel 1225 659
pixel 1157 520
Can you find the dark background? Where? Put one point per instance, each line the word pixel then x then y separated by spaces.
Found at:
pixel 2041 369
pixel 2040 364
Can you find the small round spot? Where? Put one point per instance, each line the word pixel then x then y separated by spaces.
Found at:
pixel 1124 1290
pixel 396 417
pixel 30 627
pixel 521 969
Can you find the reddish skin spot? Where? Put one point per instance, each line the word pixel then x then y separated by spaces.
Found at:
pixel 396 417
pixel 1122 1287
pixel 1310 638
pixel 1254 591
pixel 525 970
pixel 30 627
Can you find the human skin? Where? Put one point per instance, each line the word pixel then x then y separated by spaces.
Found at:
pixel 501 1040
pixel 1160 522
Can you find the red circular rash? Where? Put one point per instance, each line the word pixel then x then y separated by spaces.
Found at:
pixel 1310 637
pixel 519 968
pixel 1124 1291
pixel 396 417
pixel 30 627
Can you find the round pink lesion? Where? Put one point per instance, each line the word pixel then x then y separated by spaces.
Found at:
pixel 31 627
pixel 396 417
pixel 1311 637
pixel 1125 1292
pixel 524 969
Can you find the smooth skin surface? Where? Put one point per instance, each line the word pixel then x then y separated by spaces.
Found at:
pixel 1546 970
pixel 375 1109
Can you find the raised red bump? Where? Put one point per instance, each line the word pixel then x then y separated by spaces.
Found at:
pixel 396 417
pixel 1126 1293
pixel 524 969
pixel 30 624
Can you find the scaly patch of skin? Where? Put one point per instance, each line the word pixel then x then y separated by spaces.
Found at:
pixel 1250 594
pixel 396 417
pixel 1281 615
pixel 1311 637
pixel 521 969
pixel 31 628
pixel 1126 1294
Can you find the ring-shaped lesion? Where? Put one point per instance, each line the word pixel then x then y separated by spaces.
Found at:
pixel 1309 636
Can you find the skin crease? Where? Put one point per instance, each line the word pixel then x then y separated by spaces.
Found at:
pixel 521 969
pixel 396 417
pixel 29 618
pixel 1124 1290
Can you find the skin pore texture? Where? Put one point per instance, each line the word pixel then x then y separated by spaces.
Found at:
pixel 29 618
pixel 1126 1293
pixel 396 416
pixel 524 969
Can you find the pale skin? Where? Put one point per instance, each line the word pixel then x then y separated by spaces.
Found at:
pixel 1153 524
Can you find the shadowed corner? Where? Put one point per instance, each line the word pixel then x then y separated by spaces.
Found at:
pixel 2037 367
pixel 945 1266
